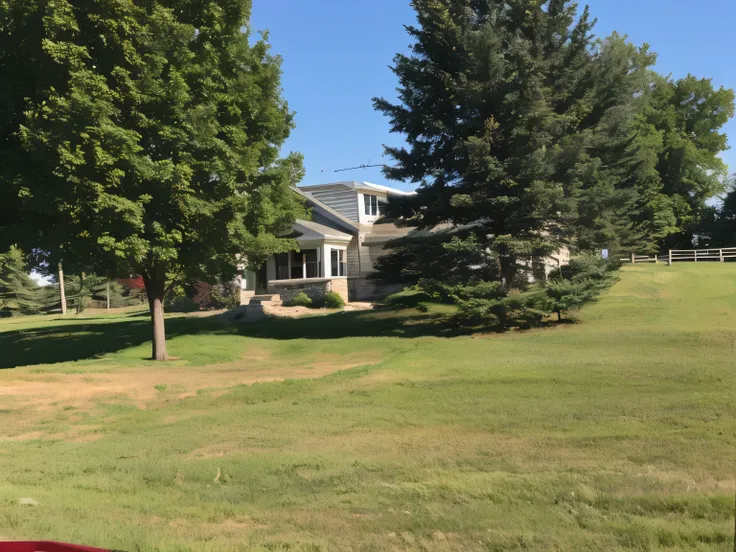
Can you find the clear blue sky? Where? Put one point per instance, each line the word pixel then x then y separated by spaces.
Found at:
pixel 337 52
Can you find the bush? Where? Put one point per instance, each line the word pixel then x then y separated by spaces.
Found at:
pixel 500 314
pixel 183 304
pixel 301 299
pixel 333 300
pixel 489 305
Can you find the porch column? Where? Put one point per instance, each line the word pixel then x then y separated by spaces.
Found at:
pixel 326 260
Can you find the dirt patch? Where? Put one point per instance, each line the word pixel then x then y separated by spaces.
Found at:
pixel 32 396
pixel 235 525
pixel 32 436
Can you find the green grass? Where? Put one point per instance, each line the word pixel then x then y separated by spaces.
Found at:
pixel 390 431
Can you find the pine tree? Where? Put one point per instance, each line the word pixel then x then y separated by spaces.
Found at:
pixel 478 112
pixel 19 293
pixel 144 138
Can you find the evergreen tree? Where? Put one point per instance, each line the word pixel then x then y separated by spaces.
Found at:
pixel 143 138
pixel 19 293
pixel 519 123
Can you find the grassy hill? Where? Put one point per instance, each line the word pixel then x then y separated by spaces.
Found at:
pixel 381 430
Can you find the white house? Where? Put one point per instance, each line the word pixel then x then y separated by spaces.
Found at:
pixel 338 248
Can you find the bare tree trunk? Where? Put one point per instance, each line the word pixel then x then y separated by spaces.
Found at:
pixel 159 330
pixel 63 291
pixel 80 299
pixel 108 296
pixel 508 271
pixel 155 288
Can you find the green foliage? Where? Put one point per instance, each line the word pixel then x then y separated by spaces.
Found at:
pixel 183 304
pixel 689 114
pixel 19 294
pixel 333 300
pixel 528 133
pixel 301 299
pixel 490 305
pixel 144 138
pixel 452 257
pixel 580 282
pixel 409 298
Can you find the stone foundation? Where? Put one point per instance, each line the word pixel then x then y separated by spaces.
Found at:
pixel 315 289
pixel 368 289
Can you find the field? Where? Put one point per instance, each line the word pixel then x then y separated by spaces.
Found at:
pixel 381 430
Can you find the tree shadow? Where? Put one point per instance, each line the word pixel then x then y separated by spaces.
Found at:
pixel 383 322
pixel 86 339
pixel 90 339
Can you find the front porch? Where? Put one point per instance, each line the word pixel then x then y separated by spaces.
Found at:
pixel 318 267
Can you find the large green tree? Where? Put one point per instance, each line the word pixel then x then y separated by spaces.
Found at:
pixel 689 114
pixel 143 137
pixel 481 110
pixel 522 125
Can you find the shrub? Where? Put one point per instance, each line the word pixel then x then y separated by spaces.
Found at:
pixel 333 301
pixel 301 299
pixel 183 304
pixel 500 313
pixel 489 305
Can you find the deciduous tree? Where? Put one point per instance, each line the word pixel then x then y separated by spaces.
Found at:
pixel 144 137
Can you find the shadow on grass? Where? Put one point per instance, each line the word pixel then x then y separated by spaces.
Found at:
pixel 89 338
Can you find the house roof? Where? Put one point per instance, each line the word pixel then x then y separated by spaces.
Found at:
pixel 328 211
pixel 358 186
pixel 309 230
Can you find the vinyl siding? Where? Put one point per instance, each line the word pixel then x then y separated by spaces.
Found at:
pixel 344 201
pixel 353 261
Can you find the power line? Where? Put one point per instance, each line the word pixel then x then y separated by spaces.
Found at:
pixel 359 167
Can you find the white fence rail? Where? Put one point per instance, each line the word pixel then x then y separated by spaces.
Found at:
pixel 686 256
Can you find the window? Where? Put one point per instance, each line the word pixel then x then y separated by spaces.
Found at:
pixel 297 265
pixel 339 266
pixel 371 205
pixel 311 260
pixel 282 266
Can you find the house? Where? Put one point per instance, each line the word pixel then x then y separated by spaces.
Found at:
pixel 338 248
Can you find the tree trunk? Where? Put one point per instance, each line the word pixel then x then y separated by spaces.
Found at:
pixel 63 291
pixel 80 299
pixel 508 271
pixel 155 288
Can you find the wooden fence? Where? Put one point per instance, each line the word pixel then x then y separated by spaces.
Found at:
pixel 686 256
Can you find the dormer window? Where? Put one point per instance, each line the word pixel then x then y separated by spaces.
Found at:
pixel 371 205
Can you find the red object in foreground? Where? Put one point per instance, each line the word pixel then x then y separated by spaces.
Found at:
pixel 45 547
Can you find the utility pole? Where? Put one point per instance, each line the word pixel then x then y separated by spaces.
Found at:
pixel 61 287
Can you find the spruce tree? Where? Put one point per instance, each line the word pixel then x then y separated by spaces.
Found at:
pixel 485 96
pixel 19 293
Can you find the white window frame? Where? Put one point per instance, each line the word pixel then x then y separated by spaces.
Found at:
pixel 342 263
pixel 370 205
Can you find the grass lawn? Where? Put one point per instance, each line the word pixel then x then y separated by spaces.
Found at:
pixel 381 430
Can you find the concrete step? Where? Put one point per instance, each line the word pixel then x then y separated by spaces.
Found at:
pixel 260 299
